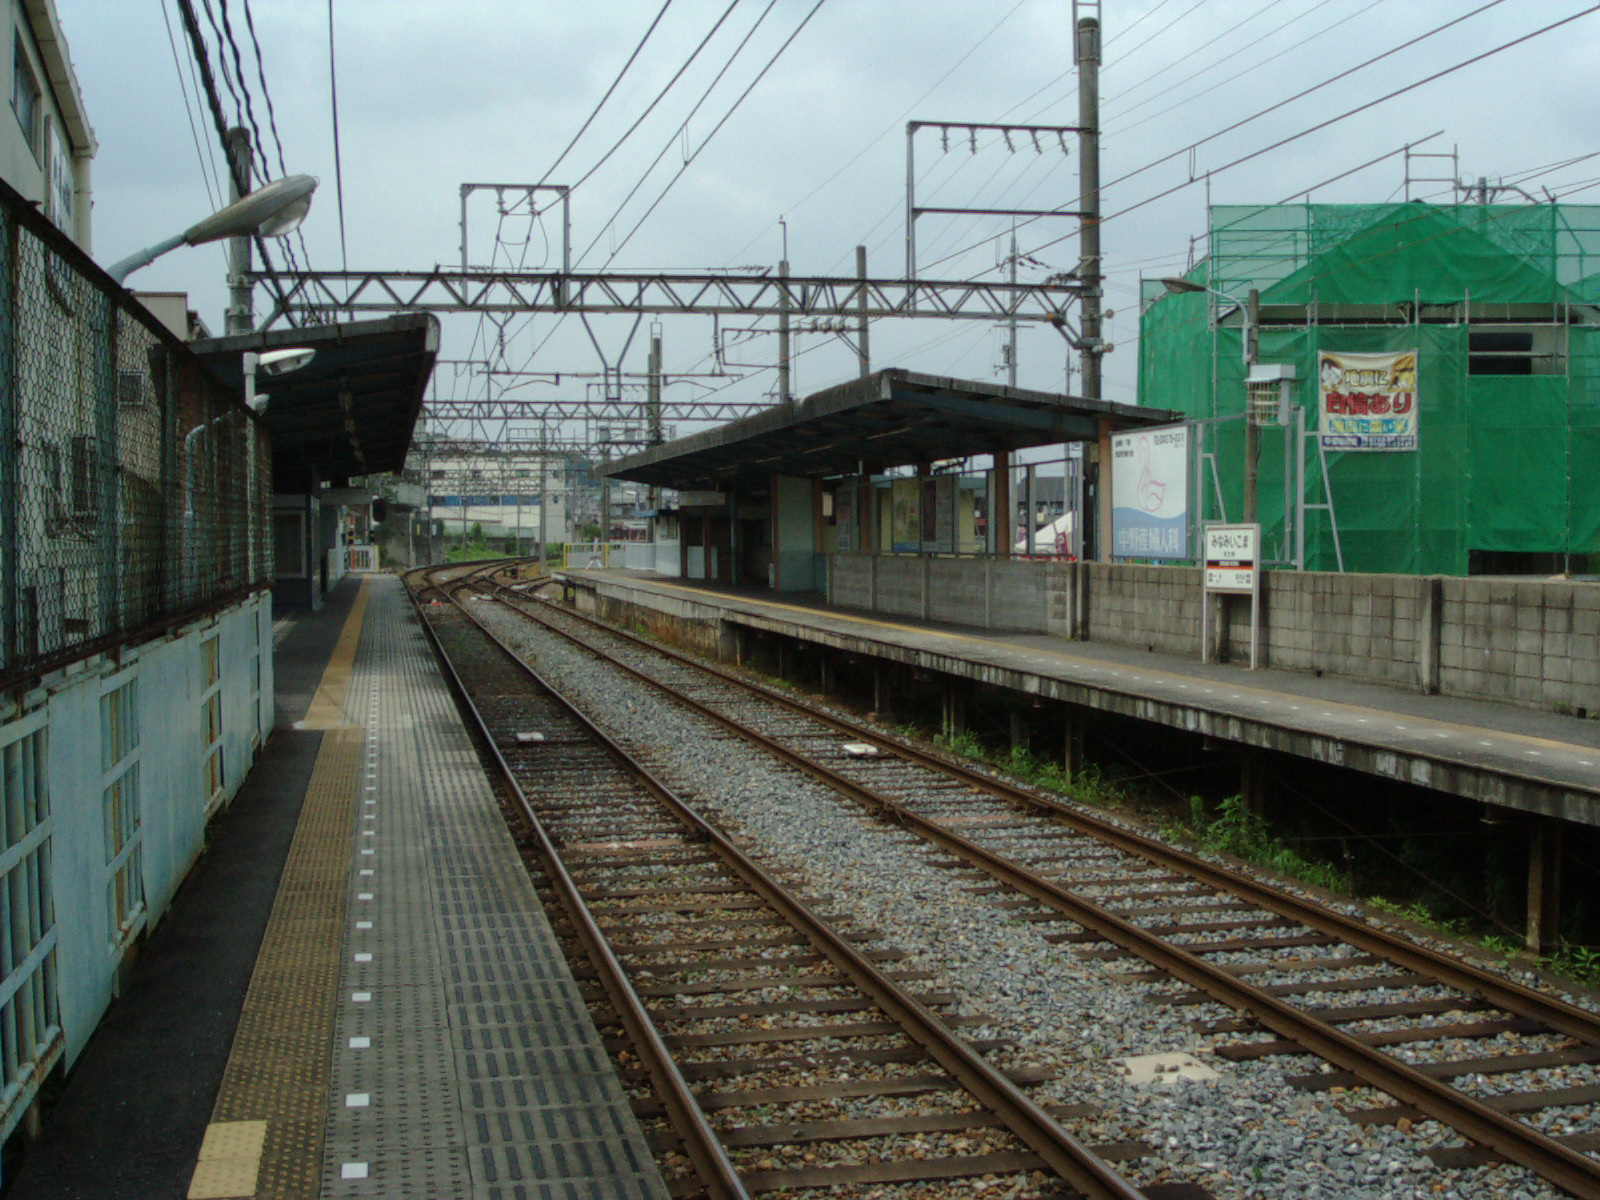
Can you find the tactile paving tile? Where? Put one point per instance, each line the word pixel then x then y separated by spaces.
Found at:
pixel 482 1074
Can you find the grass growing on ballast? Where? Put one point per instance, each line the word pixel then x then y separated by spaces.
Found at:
pixel 1237 831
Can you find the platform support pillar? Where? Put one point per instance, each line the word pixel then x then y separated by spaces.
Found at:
pixel 825 671
pixel 1073 758
pixel 880 690
pixel 1252 785
pixel 1544 886
pixel 1019 732
pixel 955 708
pixel 1001 517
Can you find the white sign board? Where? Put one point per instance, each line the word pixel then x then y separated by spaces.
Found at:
pixel 1150 493
pixel 1232 558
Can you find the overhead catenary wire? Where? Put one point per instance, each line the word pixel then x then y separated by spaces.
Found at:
pixel 891 127
pixel 706 141
pixel 1230 58
pixel 1318 126
pixel 338 160
pixel 661 95
pixel 1339 77
pixel 615 83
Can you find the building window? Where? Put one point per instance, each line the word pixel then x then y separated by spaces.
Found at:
pixel 119 762
pixel 85 477
pixel 30 1027
pixel 213 777
pixel 130 388
pixel 26 96
pixel 1539 350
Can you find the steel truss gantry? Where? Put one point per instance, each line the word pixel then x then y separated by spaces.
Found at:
pixel 448 290
pixel 577 410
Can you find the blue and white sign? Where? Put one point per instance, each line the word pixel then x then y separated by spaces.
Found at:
pixel 1150 493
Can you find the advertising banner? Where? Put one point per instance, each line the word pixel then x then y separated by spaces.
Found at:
pixel 844 517
pixel 1367 401
pixel 938 514
pixel 1150 493
pixel 906 522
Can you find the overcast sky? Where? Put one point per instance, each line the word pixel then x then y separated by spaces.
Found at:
pixel 434 93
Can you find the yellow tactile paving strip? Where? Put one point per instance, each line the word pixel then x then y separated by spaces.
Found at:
pixel 266 1135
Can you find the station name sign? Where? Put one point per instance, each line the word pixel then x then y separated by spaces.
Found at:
pixel 1232 558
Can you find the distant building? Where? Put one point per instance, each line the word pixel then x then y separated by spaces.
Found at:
pixel 501 491
pixel 1477 456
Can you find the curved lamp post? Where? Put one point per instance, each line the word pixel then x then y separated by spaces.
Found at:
pixel 272 211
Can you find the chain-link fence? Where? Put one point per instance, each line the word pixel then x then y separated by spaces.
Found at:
pixel 134 489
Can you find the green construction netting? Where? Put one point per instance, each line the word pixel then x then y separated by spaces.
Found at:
pixel 1506 463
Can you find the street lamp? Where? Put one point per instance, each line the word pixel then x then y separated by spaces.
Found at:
pixel 1250 309
pixel 273 210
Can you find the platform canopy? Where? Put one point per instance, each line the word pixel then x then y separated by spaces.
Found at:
pixel 349 411
pixel 890 418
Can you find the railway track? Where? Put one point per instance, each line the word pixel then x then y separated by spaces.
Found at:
pixel 1443 1038
pixel 770 1049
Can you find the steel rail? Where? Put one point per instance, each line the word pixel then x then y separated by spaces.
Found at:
pixel 705 1150
pixel 1503 993
pixel 1062 1152
pixel 1520 1143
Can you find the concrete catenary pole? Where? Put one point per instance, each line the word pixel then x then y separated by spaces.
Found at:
pixel 1251 334
pixel 1011 332
pixel 783 332
pixel 239 318
pixel 1090 269
pixel 861 321
pixel 653 415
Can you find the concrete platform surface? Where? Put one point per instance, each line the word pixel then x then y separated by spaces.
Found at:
pixel 1498 753
pixel 357 993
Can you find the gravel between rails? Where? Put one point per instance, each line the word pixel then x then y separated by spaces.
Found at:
pixel 1242 1135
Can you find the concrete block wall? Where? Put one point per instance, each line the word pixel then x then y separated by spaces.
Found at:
pixel 1363 626
pixel 1535 643
pixel 1157 608
pixel 850 580
pixel 1019 594
pixel 899 585
pixel 956 593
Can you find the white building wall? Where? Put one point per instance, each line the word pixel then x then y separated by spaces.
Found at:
pixel 62 142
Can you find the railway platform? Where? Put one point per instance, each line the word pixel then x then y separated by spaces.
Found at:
pixel 1543 761
pixel 358 993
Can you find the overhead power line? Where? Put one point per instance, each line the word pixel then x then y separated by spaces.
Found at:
pixel 649 108
pixel 589 120
pixel 1340 77
pixel 1237 75
pixel 1310 130
pixel 1400 91
pixel 207 166
pixel 762 74
pixel 338 161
